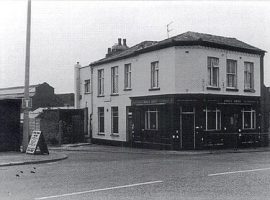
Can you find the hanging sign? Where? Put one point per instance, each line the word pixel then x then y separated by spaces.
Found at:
pixel 37 141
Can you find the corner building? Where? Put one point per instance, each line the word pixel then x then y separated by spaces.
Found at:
pixel 190 91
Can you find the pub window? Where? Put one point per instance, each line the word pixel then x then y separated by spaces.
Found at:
pixel 127 80
pixel 114 79
pixel 213 71
pixel 154 75
pixel 212 119
pixel 100 82
pixel 101 119
pixel 231 74
pixel 115 119
pixel 87 86
pixel 151 119
pixel 249 75
pixel 248 119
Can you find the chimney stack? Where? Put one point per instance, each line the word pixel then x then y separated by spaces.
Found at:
pixel 119 42
pixel 109 50
pixel 124 42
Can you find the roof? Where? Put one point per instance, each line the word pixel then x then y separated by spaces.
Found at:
pixel 185 39
pixel 17 92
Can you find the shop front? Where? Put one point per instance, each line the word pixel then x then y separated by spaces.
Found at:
pixel 196 121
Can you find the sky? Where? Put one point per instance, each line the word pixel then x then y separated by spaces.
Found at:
pixel 66 32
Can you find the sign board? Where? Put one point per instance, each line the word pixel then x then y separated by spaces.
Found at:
pixel 26 103
pixel 37 140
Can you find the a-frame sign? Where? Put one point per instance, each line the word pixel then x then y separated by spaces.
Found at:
pixel 37 141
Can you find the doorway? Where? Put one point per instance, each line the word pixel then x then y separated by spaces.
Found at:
pixel 187 125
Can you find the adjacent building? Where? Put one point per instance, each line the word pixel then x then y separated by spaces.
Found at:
pixel 187 92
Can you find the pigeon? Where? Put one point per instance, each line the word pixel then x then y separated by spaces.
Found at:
pixel 17 175
pixel 32 172
pixel 21 172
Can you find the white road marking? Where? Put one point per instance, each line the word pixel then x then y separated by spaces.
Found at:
pixel 242 171
pixel 98 190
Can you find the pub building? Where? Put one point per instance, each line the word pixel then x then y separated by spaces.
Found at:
pixel 190 91
pixel 197 121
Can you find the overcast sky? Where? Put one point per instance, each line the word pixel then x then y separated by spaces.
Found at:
pixel 64 32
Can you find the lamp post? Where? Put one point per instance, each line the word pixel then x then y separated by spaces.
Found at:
pixel 26 81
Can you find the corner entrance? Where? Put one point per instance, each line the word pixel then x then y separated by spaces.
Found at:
pixel 187 126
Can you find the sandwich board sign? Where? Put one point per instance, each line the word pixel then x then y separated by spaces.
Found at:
pixel 37 141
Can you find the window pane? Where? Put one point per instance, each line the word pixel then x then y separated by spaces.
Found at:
pixel 115 119
pixel 247 120
pixel 101 119
pixel 154 74
pixel 153 122
pixel 215 76
pixel 211 120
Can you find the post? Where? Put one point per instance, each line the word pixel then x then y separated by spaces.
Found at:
pixel 26 83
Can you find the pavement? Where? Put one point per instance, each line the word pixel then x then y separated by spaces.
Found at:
pixel 122 149
pixel 18 158
pixel 57 153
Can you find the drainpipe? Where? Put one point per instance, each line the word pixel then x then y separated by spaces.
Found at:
pixel 92 103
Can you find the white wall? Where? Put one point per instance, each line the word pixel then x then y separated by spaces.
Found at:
pixel 191 70
pixel 85 74
pixel 140 84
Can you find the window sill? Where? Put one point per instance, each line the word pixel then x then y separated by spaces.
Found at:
pixel 114 135
pixel 87 93
pixel 127 89
pixel 249 90
pixel 115 94
pixel 232 89
pixel 101 134
pixel 100 96
pixel 153 89
pixel 212 88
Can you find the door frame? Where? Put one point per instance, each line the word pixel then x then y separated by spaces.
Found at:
pixel 181 126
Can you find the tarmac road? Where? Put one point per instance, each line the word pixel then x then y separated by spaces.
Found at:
pixel 121 176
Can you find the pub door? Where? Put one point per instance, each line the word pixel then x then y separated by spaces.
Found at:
pixel 187 122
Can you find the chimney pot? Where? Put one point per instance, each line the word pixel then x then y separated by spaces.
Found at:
pixel 119 41
pixel 124 42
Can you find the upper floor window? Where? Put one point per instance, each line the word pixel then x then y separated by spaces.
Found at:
pixel 114 79
pixel 231 74
pixel 100 82
pixel 249 75
pixel 154 75
pixel 213 71
pixel 87 86
pixel 127 80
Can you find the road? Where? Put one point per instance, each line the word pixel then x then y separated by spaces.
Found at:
pixel 121 176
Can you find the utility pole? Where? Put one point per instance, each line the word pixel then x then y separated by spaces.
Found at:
pixel 26 101
pixel 169 30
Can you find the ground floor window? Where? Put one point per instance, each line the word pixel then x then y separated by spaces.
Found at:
pixel 101 119
pixel 212 119
pixel 151 119
pixel 248 119
pixel 114 119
